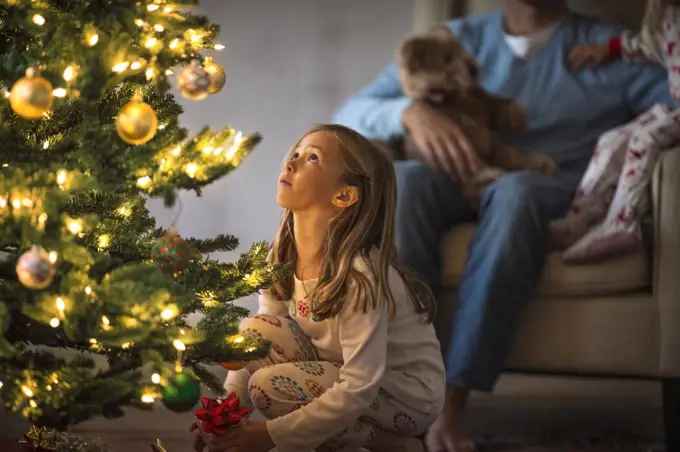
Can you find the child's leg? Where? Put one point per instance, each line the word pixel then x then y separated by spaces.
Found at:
pixel 280 389
pixel 620 230
pixel 596 190
pixel 288 343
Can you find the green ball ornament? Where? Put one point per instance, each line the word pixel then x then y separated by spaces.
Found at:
pixel 181 393
pixel 171 253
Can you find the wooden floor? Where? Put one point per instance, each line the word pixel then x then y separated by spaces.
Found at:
pixel 523 406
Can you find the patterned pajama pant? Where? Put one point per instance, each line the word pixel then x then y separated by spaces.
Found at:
pixel 292 376
pixel 604 218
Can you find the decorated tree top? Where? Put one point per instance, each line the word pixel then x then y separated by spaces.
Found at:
pixel 88 133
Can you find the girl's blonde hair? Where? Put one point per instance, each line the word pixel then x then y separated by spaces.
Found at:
pixel 652 23
pixel 366 225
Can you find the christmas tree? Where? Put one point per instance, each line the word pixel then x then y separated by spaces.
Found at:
pixel 88 132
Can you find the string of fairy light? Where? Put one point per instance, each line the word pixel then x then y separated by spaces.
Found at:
pixel 32 98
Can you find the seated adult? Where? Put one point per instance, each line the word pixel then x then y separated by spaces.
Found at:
pixel 523 54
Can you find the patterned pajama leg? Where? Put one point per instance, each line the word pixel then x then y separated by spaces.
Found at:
pixel 597 187
pixel 620 231
pixel 283 383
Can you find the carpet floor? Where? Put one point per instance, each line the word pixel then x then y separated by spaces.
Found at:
pixel 526 414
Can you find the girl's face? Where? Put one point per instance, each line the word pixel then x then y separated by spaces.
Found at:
pixel 311 178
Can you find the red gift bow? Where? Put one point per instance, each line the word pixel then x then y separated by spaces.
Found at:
pixel 218 416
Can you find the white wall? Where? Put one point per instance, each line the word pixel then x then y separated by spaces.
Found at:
pixel 289 64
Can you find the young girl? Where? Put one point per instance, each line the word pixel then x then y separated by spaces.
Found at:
pixel 604 218
pixel 354 360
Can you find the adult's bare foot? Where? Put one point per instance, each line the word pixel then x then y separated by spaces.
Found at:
pixel 448 433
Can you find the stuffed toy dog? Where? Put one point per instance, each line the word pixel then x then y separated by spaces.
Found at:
pixel 435 68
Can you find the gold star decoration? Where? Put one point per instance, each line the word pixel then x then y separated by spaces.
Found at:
pixel 40 439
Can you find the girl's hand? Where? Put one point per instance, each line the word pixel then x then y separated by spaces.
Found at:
pixel 246 437
pixel 200 438
pixel 591 54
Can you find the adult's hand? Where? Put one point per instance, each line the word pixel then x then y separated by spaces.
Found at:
pixel 590 55
pixel 441 142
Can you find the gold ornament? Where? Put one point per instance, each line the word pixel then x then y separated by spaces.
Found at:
pixel 40 438
pixel 136 122
pixel 31 96
pixel 194 82
pixel 158 446
pixel 34 269
pixel 217 75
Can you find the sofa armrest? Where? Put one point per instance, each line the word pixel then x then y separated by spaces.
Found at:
pixel 666 262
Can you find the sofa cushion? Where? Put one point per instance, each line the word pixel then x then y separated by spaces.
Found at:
pixel 624 274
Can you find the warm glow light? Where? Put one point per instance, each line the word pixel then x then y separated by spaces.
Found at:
pixel 150 42
pixel 168 72
pixel 179 345
pixel 104 240
pixel 149 73
pixel 38 19
pixel 158 27
pixel 167 9
pixel 125 345
pixel 152 7
pixel 143 181
pixel 219 46
pixel 239 339
pixel 177 151
pixel 120 67
pixel 59 92
pixel 207 150
pixel 27 391
pixel 60 304
pixel 52 257
pixel 61 177
pixel 69 73
pixel 235 146
pixel 105 321
pixel 139 22
pixel 33 403
pixel 93 341
pixel 147 398
pixel 136 65
pixel 174 43
pixel 54 322
pixel 156 379
pixel 88 290
pixel 46 144
pixel 167 314
pixel 93 39
pixel 75 226
pixel 191 170
pixel 123 211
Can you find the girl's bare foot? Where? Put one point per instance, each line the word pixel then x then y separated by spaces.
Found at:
pixel 448 433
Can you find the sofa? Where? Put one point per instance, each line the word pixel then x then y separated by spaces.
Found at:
pixel 618 318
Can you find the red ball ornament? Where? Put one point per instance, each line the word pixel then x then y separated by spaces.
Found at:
pixel 171 252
